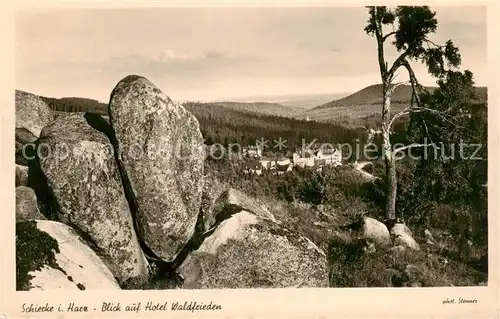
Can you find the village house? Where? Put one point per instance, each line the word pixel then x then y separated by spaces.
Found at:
pixel 267 163
pixel 253 167
pixel 318 157
pixel 283 165
pixel 283 161
pixel 328 156
pixel 252 151
pixel 303 159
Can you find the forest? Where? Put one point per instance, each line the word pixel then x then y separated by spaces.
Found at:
pixel 222 125
pixel 225 125
pixel 76 104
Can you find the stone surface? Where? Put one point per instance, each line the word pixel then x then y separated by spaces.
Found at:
pixel 403 236
pixel 51 256
pixel 26 204
pixel 236 198
pixel 24 146
pixel 375 231
pixel 398 249
pixel 21 175
pixel 32 113
pixel 429 238
pixel 212 190
pixel 247 251
pixel 86 186
pixel 162 154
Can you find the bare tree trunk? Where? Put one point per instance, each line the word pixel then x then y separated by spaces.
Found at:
pixel 390 164
pixel 392 186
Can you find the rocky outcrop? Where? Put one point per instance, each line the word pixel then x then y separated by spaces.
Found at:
pixel 376 232
pixel 51 256
pixel 248 251
pixel 402 236
pixel 26 204
pixel 25 150
pixel 235 198
pixel 162 155
pixel 108 209
pixel 21 175
pixel 212 190
pixel 85 183
pixel 32 114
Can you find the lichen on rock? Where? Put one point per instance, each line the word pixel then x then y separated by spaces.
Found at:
pixel 248 251
pixel 88 194
pixel 26 204
pixel 161 153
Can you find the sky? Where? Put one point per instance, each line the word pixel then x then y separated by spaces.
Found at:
pixel 219 53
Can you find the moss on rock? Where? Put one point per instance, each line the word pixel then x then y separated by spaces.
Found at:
pixel 34 249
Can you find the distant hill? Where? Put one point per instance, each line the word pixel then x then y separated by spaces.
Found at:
pixel 220 124
pixel 372 95
pixel 367 102
pixel 265 108
pixel 76 104
pixel 299 101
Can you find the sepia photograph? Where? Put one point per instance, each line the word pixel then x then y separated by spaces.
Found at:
pixel 250 147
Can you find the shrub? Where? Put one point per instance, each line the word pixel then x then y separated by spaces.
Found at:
pixel 351 266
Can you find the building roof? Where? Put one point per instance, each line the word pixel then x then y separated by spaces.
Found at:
pixel 304 154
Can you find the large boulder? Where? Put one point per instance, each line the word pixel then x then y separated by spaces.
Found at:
pixel 32 114
pixel 404 237
pixel 162 154
pixel 248 251
pixel 232 198
pixel 21 175
pixel 85 183
pixel 26 204
pixel 376 232
pixel 212 190
pixel 25 150
pixel 50 256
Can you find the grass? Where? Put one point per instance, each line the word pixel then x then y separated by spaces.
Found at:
pixel 351 266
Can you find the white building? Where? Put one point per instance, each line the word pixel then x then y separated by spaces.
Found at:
pixel 330 156
pixel 306 159
pixel 283 161
pixel 252 151
pixel 283 165
pixel 267 163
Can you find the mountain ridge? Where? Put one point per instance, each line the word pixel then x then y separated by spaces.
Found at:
pixel 366 103
pixel 372 95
